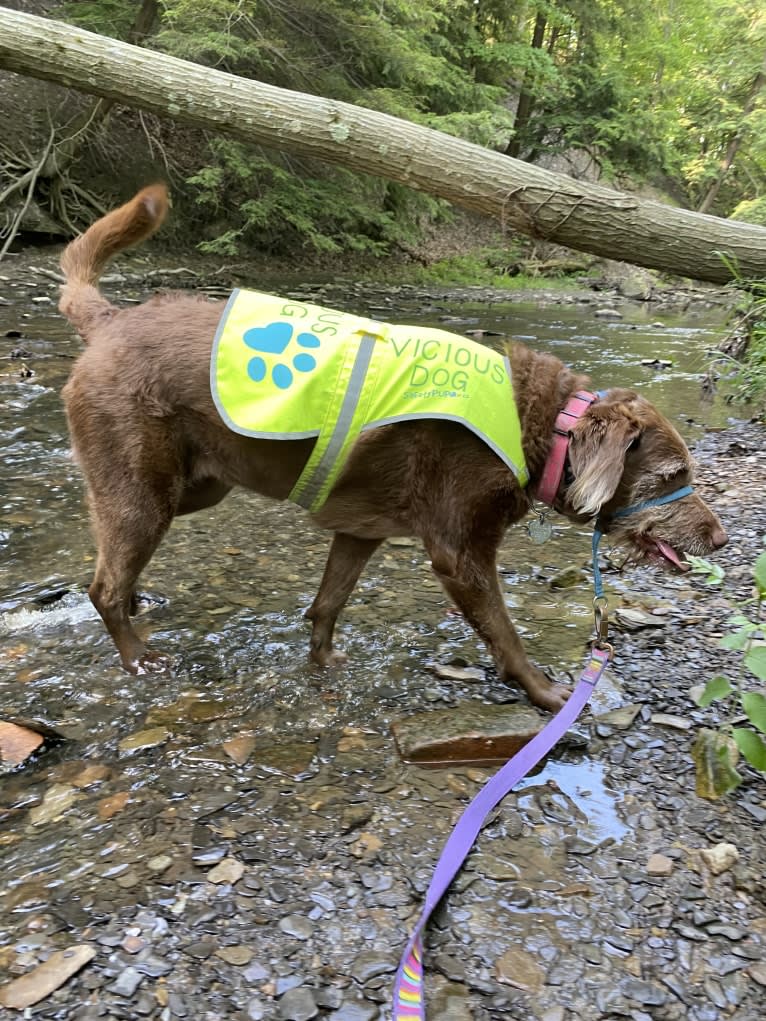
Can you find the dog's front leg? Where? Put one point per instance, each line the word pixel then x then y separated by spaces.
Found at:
pixel 473 585
pixel 345 562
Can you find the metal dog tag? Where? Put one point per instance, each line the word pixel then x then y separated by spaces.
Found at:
pixel 540 530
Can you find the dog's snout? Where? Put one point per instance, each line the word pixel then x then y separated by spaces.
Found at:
pixel 718 537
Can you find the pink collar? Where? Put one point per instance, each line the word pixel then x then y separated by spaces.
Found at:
pixel 550 480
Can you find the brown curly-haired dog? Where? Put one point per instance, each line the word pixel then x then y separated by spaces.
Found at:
pixel 152 445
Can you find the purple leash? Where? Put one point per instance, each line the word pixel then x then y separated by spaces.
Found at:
pixel 409 1004
pixel 408 989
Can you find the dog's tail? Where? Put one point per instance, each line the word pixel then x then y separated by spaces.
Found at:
pixel 84 259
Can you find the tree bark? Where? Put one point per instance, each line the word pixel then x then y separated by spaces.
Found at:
pixel 522 197
pixel 734 143
pixel 526 100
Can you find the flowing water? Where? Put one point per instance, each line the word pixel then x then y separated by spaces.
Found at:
pixel 228 589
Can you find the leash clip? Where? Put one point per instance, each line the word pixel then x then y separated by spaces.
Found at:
pixel 601 617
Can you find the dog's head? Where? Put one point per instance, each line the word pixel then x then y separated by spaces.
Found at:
pixel 623 452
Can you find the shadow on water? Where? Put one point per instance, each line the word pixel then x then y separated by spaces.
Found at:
pixel 237 579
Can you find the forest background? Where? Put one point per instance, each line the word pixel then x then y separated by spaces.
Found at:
pixel 664 98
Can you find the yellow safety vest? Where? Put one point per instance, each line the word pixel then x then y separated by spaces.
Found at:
pixel 287 370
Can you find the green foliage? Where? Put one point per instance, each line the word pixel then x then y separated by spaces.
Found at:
pixel 749 374
pixel 716 751
pixel 646 90
pixel 751 210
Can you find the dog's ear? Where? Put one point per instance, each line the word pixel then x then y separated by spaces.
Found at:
pixel 597 448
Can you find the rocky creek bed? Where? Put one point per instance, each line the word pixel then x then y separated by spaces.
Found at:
pixel 241 840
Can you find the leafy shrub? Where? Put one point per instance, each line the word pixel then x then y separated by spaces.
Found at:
pixel 716 752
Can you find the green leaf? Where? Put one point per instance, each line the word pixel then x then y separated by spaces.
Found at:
pixel 760 573
pixel 755 661
pixel 740 620
pixel 716 687
pixel 737 640
pixel 715 757
pixel 754 705
pixel 751 746
pixel 714 572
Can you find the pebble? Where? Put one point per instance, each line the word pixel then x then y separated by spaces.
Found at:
pixel 127 982
pixel 297 926
pixel 297 1005
pixel 659 865
pixel 720 857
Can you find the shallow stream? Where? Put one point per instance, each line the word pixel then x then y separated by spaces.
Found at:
pixel 228 589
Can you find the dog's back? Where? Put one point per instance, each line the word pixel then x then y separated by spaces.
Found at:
pixel 83 260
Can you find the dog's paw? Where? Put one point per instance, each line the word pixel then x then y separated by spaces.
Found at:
pixel 274 340
pixel 553 697
pixel 543 693
pixel 329 659
pixel 152 663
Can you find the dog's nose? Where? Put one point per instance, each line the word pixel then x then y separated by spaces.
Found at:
pixel 718 537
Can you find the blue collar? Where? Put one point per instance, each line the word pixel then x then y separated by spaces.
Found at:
pixel 679 494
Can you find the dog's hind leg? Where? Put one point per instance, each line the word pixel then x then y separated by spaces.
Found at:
pixel 471 581
pixel 345 562
pixel 129 526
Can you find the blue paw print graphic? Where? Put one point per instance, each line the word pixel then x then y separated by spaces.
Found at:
pixel 273 340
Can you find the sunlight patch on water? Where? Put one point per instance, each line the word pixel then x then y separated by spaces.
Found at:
pixel 582 784
pixel 73 608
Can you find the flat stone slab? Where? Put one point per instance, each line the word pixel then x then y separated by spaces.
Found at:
pixel 469 734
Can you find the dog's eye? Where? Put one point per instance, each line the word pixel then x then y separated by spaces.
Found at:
pixel 635 443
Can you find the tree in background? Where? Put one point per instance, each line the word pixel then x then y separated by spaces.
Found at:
pixel 667 92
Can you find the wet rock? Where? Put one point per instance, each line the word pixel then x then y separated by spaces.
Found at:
pixel 607 313
pixel 448 672
pixel 46 977
pixel 58 799
pixel 293 758
pixel 568 577
pixel 720 857
pixel 111 805
pixel 144 739
pixel 17 743
pixel 469 733
pixel 192 707
pixel 297 1005
pixel 240 748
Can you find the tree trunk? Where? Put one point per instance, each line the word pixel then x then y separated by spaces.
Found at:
pixel 524 198
pixel 733 147
pixel 526 100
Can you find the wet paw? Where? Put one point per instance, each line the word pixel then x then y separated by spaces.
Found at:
pixel 332 658
pixel 274 340
pixel 552 697
pixel 151 663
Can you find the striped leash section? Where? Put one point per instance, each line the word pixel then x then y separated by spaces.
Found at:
pixel 409 1003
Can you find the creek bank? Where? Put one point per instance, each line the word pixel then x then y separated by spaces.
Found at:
pixel 35 273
